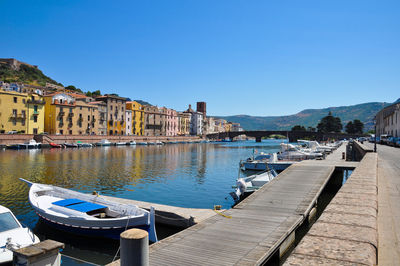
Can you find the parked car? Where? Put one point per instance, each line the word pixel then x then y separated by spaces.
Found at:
pixel 384 139
pixel 393 141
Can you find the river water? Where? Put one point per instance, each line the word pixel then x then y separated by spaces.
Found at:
pixel 186 175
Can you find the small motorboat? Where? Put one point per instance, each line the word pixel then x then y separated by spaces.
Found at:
pixel 13 235
pixel 120 144
pixel 70 145
pixel 55 145
pixel 13 147
pixel 31 144
pixel 151 143
pixel 141 143
pixel 131 143
pixel 103 142
pixel 158 142
pixel 247 185
pixel 86 214
pixel 84 145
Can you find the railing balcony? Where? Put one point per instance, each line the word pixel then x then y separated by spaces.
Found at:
pixel 61 114
pixel 70 114
pixel 22 116
pixel 14 115
pixel 35 101
pixel 35 112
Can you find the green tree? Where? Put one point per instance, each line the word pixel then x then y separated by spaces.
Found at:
pixel 350 127
pixel 330 123
pixel 298 128
pixel 358 126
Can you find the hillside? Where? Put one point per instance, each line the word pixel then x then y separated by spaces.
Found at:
pixel 24 74
pixel 310 117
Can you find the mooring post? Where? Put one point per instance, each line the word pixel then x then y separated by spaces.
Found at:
pixel 43 253
pixel 134 247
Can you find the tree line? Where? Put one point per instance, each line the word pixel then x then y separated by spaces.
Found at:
pixel 331 123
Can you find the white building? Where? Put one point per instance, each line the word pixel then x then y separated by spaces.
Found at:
pixel 388 121
pixel 128 122
pixel 196 121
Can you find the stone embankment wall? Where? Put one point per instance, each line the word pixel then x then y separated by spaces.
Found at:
pixel 346 232
pixel 6 139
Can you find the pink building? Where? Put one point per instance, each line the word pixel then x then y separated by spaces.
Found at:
pixel 171 122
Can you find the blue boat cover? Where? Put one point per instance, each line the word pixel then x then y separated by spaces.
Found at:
pixel 66 202
pixel 79 205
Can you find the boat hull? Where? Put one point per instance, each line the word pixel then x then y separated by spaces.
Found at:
pixel 111 233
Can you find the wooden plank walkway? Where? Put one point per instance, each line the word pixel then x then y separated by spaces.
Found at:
pixel 259 224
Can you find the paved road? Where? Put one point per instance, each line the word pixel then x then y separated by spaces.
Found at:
pixel 388 205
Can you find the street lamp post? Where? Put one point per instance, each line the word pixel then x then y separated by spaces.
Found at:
pixel 375 138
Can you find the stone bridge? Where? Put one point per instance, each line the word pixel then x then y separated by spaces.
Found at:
pixel 292 135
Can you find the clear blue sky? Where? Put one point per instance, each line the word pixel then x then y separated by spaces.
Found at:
pixel 241 57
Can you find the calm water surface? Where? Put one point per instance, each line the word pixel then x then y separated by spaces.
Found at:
pixel 185 175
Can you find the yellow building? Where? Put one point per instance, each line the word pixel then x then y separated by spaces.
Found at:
pixel 21 112
pixel 65 115
pixel 184 123
pixel 137 117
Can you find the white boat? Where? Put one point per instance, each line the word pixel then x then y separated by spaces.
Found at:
pixel 251 183
pixel 31 144
pixel 103 142
pixel 293 153
pixel 315 146
pixel 87 214
pixel 13 235
pixel 158 142
pixel 132 143
pixel 258 163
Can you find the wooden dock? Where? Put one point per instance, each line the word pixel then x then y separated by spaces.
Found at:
pixel 258 227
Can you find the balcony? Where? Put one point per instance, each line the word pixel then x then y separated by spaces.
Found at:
pixel 70 114
pixel 61 114
pixel 35 113
pixel 35 101
pixel 21 116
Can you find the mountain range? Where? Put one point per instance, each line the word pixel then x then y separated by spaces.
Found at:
pixel 311 117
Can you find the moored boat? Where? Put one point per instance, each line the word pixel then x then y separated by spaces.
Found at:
pixel 13 235
pixel 141 143
pixel 70 145
pixel 55 145
pixel 85 214
pixel 120 144
pixel 132 142
pixel 247 185
pixel 31 144
pixel 103 142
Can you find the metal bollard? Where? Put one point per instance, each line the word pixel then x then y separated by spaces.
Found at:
pixel 343 155
pixel 134 247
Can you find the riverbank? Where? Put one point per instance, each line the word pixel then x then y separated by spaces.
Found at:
pixel 8 139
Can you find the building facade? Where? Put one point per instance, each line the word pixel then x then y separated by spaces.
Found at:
pixel 170 122
pixel 128 122
pixel 137 117
pixel 21 112
pixel 184 123
pixel 64 115
pixel 102 114
pixel 388 121
pixel 115 116
pixel 154 118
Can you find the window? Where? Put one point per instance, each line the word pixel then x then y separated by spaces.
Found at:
pixel 35 108
pixel 23 113
pixel 111 107
pixel 61 132
pixel 35 131
pixel 70 132
pixel 15 99
pixel 7 222
pixel 61 109
pixel 23 100
pixel 70 110
pixel 88 117
pixel 80 108
pixel 35 119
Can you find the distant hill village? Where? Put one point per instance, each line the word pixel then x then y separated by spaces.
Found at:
pixel 53 109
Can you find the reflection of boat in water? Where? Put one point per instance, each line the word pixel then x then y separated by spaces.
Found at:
pixel 13 235
pixel 86 214
pixel 248 185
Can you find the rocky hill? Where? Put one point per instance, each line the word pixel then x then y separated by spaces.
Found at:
pixel 311 117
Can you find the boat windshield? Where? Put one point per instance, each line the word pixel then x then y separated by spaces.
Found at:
pixel 7 222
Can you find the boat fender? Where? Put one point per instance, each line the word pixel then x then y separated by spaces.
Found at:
pixel 241 185
pixel 95 193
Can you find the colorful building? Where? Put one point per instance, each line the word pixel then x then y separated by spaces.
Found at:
pixel 102 122
pixel 115 116
pixel 170 122
pixel 153 118
pixel 184 123
pixel 128 122
pixel 66 115
pixel 137 117
pixel 21 112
